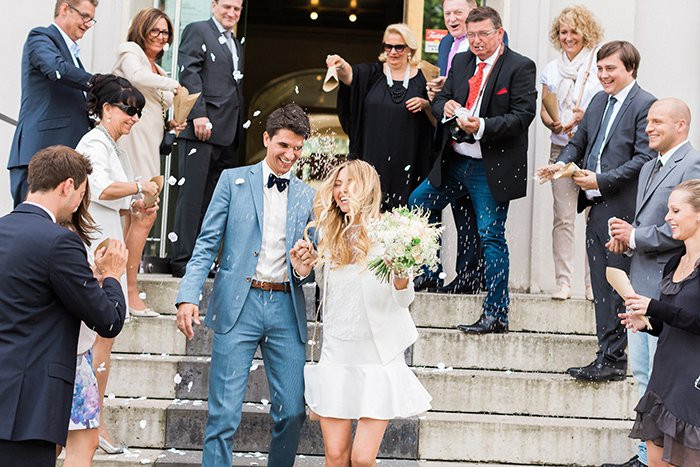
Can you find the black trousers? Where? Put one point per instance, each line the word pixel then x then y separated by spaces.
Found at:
pixel 612 338
pixel 34 453
pixel 201 164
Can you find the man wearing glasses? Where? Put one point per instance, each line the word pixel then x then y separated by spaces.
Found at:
pixel 54 83
pixel 484 111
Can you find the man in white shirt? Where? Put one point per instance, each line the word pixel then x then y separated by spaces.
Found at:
pixel 258 213
pixel 484 111
pixel 648 239
pixel 611 147
pixel 54 83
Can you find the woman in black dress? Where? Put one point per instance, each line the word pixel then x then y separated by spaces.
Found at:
pixel 383 107
pixel 668 415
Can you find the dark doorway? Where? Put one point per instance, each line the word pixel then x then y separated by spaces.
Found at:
pixel 281 40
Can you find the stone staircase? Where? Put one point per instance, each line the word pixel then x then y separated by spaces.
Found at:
pixel 497 399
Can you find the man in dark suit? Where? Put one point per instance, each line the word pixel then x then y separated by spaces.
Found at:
pixel 482 148
pixel 648 239
pixel 611 147
pixel 211 63
pixel 46 289
pixel 54 82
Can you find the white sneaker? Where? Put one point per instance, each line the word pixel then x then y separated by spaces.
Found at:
pixel 564 293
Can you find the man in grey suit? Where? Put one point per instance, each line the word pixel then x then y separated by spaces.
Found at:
pixel 648 239
pixel 211 62
pixel 257 215
pixel 611 147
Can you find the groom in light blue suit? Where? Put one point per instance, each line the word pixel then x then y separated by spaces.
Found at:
pixel 259 212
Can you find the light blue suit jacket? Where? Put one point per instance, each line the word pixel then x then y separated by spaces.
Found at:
pixel 235 216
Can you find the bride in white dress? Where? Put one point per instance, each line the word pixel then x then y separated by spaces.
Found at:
pixel 362 374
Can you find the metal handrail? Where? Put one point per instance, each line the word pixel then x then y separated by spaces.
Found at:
pixel 7 119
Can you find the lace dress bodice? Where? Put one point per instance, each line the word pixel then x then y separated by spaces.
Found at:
pixel 344 314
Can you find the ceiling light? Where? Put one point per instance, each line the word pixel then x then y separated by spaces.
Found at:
pixel 353 3
pixel 314 2
pixel 352 18
pixel 313 15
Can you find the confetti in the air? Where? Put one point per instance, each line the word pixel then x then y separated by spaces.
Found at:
pixel 222 40
pixel 204 47
pixel 142 295
pixel 193 150
pixel 246 125
pixel 177 378
pixel 166 47
pixel 256 113
pixel 172 236
pixel 181 181
pixel 407 168
pixel 242 40
pixel 143 424
pixel 442 275
pixel 172 181
pixel 264 401
pixel 213 57
pixel 189 386
pixel 58 75
pixel 296 89
pixel 101 367
pixel 239 181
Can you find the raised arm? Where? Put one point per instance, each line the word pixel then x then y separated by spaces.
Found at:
pixel 47 58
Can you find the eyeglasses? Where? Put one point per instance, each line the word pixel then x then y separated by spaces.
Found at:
pixel 398 47
pixel 155 32
pixel 130 110
pixel 87 19
pixel 481 34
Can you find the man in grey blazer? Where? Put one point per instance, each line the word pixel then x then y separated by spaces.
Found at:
pixel 648 239
pixel 211 62
pixel 256 216
pixel 611 147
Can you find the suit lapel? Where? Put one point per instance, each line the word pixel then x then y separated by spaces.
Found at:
pixel 620 114
pixel 292 209
pixel 599 112
pixel 491 83
pixel 224 46
pixel 665 171
pixel 58 40
pixel 256 187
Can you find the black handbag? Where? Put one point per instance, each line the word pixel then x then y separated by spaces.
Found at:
pixel 166 144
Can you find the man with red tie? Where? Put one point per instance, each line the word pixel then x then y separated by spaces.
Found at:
pixel 484 111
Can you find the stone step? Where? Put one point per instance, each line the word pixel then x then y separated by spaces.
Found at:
pixel 453 390
pixel 181 458
pixel 529 312
pixel 440 436
pixel 520 351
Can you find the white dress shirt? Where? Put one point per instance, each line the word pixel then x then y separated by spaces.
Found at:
pixel 73 46
pixel 620 96
pixel 474 149
pixel 663 158
pixel 272 263
pixel 232 44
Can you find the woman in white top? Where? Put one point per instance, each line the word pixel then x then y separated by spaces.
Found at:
pixel 362 374
pixel 572 76
pixel 116 104
pixel 150 31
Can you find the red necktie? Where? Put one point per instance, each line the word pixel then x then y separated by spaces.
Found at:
pixel 475 85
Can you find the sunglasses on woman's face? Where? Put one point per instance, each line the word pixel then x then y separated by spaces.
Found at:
pixel 398 47
pixel 130 110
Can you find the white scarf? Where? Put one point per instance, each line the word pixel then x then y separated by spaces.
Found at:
pixel 569 70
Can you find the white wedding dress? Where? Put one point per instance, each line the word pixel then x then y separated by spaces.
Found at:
pixel 350 381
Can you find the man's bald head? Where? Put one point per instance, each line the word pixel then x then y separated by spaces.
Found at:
pixel 668 124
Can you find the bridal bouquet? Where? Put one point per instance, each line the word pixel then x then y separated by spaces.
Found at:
pixel 408 241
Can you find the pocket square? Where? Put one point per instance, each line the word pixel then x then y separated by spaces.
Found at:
pixel 502 91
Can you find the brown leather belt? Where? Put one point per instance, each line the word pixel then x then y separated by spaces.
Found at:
pixel 273 286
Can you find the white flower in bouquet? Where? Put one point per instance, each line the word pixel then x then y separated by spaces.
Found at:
pixel 408 243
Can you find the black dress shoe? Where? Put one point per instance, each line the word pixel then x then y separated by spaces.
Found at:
pixel 425 284
pixel 634 462
pixel 460 286
pixel 601 372
pixel 485 325
pixel 574 370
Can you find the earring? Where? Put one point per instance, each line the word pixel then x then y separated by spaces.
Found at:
pixel 410 56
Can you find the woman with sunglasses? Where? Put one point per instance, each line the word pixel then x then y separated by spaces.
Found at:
pixel 384 109
pixel 150 31
pixel 116 105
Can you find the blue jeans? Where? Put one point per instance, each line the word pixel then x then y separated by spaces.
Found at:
pixel 465 176
pixel 641 348
pixel 268 320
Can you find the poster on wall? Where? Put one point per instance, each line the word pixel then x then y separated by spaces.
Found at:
pixel 433 38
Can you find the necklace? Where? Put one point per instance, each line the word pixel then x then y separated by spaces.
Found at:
pixel 397 91
pixel 111 140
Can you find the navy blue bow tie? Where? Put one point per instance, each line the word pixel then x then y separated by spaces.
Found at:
pixel 281 183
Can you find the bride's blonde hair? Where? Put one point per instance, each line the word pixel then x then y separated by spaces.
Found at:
pixel 342 237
